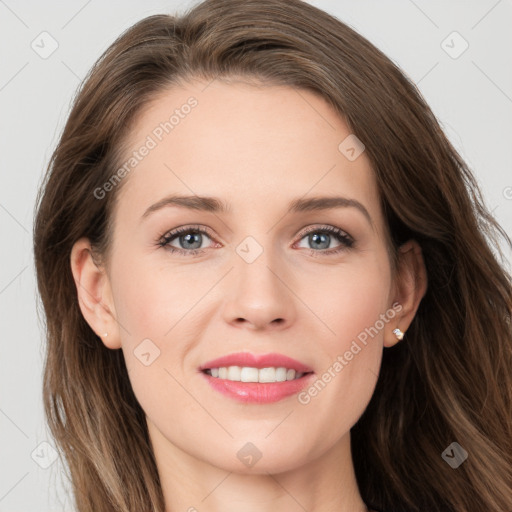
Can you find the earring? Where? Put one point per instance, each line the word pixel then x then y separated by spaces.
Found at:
pixel 105 335
pixel 398 333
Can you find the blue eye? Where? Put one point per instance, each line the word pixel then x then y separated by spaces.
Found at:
pixel 190 238
pixel 318 237
pixel 187 236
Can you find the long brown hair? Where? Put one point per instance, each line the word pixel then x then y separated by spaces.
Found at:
pixel 450 380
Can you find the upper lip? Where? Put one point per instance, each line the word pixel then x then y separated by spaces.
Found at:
pixel 257 361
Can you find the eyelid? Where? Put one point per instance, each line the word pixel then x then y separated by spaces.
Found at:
pixel 323 227
pixel 209 232
pixel 171 235
pixel 344 238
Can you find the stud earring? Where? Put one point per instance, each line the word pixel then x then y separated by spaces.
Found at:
pixel 398 333
pixel 105 335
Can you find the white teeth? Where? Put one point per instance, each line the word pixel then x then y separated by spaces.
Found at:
pixel 249 374
pixel 290 375
pixel 267 375
pixel 281 374
pixel 234 373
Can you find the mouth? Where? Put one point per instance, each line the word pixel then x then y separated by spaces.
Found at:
pixel 252 374
pixel 252 378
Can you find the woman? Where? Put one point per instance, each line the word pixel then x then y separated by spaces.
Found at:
pixel 255 370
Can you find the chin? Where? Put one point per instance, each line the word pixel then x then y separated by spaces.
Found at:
pixel 261 458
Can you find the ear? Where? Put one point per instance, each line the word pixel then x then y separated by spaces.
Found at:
pixel 94 294
pixel 409 288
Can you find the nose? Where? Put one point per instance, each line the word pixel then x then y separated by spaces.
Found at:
pixel 260 294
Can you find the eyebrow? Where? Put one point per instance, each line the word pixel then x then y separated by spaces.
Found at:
pixel 214 205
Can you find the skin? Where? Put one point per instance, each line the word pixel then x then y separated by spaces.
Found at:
pixel 241 142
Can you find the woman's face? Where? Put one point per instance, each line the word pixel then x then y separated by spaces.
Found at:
pixel 267 279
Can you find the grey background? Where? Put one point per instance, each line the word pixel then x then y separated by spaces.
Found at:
pixel 471 95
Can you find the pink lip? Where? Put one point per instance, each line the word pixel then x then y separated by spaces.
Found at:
pixel 257 361
pixel 257 392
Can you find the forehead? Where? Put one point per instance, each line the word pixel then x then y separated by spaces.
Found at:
pixel 256 146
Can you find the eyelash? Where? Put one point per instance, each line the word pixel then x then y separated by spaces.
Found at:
pixel 346 241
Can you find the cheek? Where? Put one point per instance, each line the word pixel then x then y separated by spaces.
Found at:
pixel 149 310
pixel 155 307
pixel 353 303
pixel 355 311
pixel 149 301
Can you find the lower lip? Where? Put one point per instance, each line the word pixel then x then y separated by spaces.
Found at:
pixel 257 392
